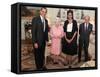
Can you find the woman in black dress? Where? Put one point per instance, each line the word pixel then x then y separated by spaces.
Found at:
pixel 69 42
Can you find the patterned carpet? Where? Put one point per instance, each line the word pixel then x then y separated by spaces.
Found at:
pixel 28 62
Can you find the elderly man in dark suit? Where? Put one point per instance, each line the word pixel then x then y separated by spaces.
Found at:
pixel 40 38
pixel 85 30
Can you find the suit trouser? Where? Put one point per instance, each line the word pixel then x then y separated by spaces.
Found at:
pixel 39 56
pixel 83 44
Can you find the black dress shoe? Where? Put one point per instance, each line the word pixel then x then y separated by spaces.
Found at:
pixel 44 68
pixel 70 66
pixel 40 69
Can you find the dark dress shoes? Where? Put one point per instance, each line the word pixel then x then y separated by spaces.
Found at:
pixel 44 68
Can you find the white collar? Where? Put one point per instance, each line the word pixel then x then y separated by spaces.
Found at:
pixel 41 18
pixel 86 23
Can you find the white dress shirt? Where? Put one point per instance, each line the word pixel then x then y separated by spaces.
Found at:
pixel 86 26
pixel 43 21
pixel 69 27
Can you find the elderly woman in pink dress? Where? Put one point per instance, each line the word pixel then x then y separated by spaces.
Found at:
pixel 56 33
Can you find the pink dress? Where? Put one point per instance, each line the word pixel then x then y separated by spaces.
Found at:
pixel 56 34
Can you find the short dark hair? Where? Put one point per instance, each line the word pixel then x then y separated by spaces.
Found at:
pixel 43 8
pixel 70 11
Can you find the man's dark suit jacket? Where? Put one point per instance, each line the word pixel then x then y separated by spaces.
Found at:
pixel 84 35
pixel 38 35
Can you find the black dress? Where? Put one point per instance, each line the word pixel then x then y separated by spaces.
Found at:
pixel 70 49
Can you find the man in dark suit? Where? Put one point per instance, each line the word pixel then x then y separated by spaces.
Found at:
pixel 85 30
pixel 40 38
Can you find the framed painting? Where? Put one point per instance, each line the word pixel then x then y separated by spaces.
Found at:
pixel 49 38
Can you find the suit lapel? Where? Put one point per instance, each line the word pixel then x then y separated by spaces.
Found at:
pixel 83 26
